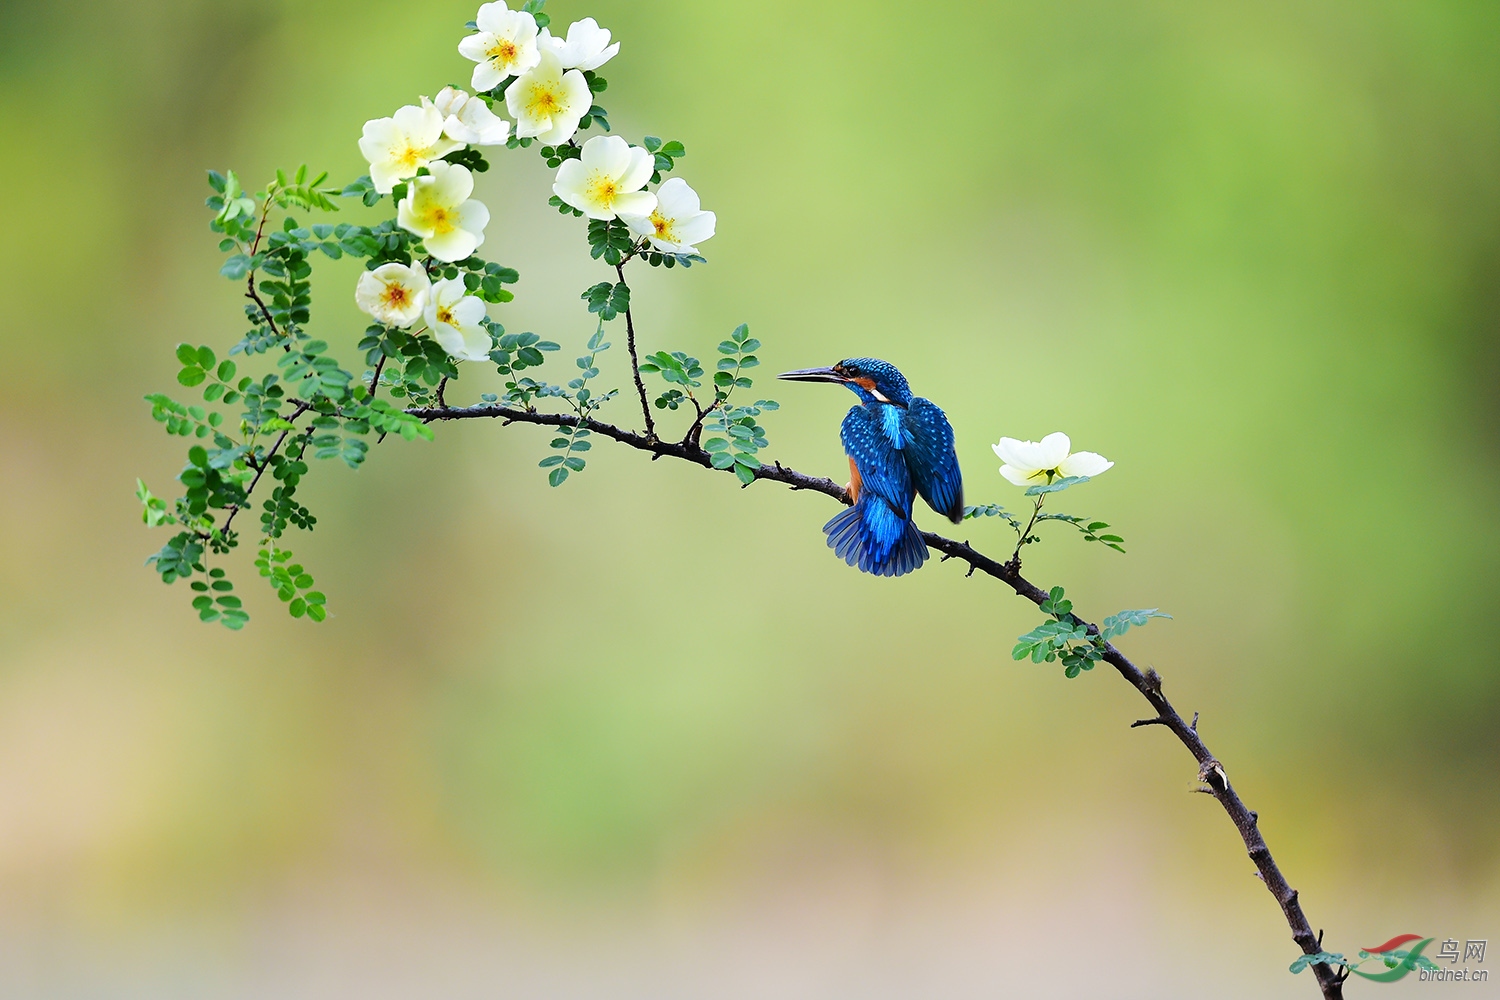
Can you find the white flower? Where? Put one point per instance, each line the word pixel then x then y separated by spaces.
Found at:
pixel 438 208
pixel 587 45
pixel 504 46
pixel 607 180
pixel 454 317
pixel 676 223
pixel 469 120
pixel 547 103
pixel 397 147
pixel 1032 463
pixel 395 294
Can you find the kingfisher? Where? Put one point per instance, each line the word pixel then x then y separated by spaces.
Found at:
pixel 898 445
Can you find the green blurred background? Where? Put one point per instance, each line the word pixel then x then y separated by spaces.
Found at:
pixel 588 742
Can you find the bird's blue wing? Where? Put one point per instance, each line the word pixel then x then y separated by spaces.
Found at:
pixel 882 471
pixel 930 457
pixel 877 533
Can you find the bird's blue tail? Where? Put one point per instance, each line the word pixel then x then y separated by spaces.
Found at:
pixel 875 538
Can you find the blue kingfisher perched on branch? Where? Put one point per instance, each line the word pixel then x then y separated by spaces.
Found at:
pixel 898 445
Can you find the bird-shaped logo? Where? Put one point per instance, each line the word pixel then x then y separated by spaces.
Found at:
pixel 898 445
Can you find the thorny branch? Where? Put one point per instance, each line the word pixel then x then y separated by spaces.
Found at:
pixel 1210 770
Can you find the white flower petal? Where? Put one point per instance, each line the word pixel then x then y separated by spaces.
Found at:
pixel 486 77
pixel 604 56
pixel 641 224
pixel 634 203
pixel 1084 463
pixel 476 344
pixel 491 16
pixel 422 124
pixel 1052 449
pixel 564 127
pixel 697 228
pixel 408 219
pixel 384 177
pixel 1017 476
pixel 676 199
pixel 1007 451
pixel 474 216
pixel 607 154
pixel 379 134
pixel 468 311
pixel 449 100
pixel 451 182
pixel 571 176
pixel 475 46
pixel 642 164
pixel 587 45
pixel 455 244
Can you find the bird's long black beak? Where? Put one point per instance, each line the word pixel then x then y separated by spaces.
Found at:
pixel 813 375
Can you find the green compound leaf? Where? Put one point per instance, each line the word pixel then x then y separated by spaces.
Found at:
pixel 1121 623
pixel 1320 958
pixel 1057 487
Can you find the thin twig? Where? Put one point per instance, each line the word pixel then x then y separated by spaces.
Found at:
pixel 694 435
pixel 265 463
pixel 1147 682
pixel 1015 557
pixel 375 378
pixel 635 365
pixel 250 292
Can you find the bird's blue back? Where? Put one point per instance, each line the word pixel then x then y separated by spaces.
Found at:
pixel 876 534
pixel 896 452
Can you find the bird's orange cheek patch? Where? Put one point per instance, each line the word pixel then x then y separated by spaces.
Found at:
pixel 865 383
pixel 854 481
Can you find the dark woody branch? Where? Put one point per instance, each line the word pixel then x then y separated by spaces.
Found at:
pixel 1211 772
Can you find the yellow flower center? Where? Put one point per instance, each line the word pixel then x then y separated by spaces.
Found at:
pixel 445 315
pixel 396 296
pixel 441 220
pixel 504 52
pixel 603 190
pixel 544 102
pixel 663 227
pixel 411 157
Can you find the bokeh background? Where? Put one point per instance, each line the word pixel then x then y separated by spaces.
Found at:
pixel 643 736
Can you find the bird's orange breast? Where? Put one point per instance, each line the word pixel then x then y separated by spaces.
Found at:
pixel 854 481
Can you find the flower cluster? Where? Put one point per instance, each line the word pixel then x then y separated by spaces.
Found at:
pixel 425 156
